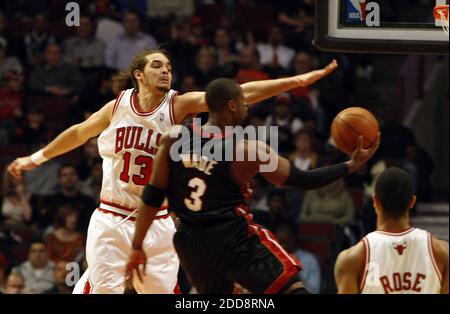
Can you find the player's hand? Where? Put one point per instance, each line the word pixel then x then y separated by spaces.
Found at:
pixel 19 165
pixel 360 155
pixel 136 266
pixel 313 76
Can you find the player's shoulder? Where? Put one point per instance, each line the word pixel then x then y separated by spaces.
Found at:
pixel 440 248
pixel 173 134
pixel 352 258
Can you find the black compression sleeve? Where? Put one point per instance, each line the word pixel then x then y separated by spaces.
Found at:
pixel 153 196
pixel 317 178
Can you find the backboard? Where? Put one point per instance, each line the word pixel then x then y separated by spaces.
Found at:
pixel 379 26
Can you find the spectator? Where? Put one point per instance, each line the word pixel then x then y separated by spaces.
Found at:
pixel 285 121
pixel 304 158
pixel 277 210
pixel 307 99
pixel 69 194
pixel 189 83
pixel 84 49
pixel 11 102
pixel 297 19
pixel 4 32
pixel 226 52
pixel 182 47
pixel 16 208
pixel 60 274
pixel 90 155
pixel 102 93
pixel 116 57
pixel 37 271
pixel 43 180
pixel 8 65
pixel 93 185
pixel 331 204
pixel 249 67
pixel 15 284
pixel 311 275
pixel 33 129
pixel 55 77
pixel 37 40
pixel 274 53
pixel 164 9
pixel 65 242
pixel 206 66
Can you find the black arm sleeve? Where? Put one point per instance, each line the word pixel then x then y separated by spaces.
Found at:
pixel 153 196
pixel 317 178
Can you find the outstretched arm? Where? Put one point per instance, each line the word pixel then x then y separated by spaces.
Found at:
pixel 68 140
pixel 257 91
pixel 287 174
pixel 194 102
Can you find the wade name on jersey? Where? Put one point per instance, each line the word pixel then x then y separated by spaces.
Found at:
pixel 201 163
pixel 134 137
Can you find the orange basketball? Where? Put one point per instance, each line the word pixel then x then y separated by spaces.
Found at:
pixel 349 124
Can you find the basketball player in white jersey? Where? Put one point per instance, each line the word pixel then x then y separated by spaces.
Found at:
pixel 396 258
pixel 130 128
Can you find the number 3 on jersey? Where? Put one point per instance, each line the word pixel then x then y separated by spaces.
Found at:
pixel 194 202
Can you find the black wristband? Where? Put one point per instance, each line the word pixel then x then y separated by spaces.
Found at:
pixel 317 178
pixel 153 196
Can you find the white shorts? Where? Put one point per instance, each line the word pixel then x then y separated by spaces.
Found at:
pixel 108 248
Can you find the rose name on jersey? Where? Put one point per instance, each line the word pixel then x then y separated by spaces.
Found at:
pixel 135 137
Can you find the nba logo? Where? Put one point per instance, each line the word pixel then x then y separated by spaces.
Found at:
pixel 161 117
pixel 356 10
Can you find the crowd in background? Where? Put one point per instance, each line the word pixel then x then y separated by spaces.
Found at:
pixel 52 76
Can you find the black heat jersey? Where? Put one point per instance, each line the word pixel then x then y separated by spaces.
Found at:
pixel 200 187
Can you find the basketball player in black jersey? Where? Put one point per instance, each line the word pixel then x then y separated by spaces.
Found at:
pixel 218 243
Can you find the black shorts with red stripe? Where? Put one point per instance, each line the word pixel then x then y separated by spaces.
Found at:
pixel 217 256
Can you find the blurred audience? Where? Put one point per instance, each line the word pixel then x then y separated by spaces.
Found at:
pixel 65 242
pixel 310 276
pixel 37 271
pixel 16 209
pixel 54 77
pixel 135 40
pixel 60 275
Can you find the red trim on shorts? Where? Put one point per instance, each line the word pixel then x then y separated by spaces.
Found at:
pixel 244 211
pixel 116 205
pixel 135 109
pixel 364 270
pixel 396 234
pixel 118 99
pixel 172 109
pixel 130 218
pixel 115 214
pixel 291 265
pixel 177 289
pixel 433 259
pixel 87 287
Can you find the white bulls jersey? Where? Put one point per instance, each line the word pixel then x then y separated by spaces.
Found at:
pixel 400 263
pixel 128 147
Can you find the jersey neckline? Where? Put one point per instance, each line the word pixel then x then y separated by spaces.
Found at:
pixel 400 233
pixel 134 101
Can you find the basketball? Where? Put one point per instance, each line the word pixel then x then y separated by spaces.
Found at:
pixel 349 124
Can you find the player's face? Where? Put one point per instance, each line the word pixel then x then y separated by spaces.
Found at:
pixel 158 72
